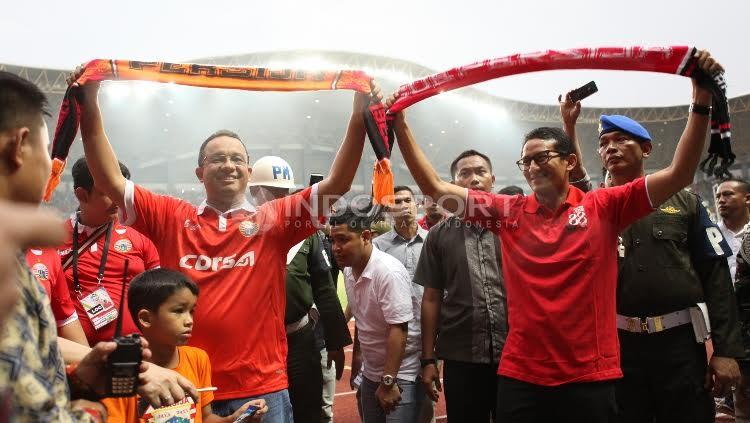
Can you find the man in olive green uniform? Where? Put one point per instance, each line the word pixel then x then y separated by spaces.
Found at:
pixel 669 262
pixel 308 281
pixel 742 288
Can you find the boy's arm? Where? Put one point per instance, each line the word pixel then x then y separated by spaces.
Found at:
pixel 210 417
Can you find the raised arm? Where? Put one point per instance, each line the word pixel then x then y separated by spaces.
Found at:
pixel 450 196
pixel 666 182
pixel 100 157
pixel 569 112
pixel 345 164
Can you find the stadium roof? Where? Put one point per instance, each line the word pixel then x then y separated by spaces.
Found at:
pixel 435 34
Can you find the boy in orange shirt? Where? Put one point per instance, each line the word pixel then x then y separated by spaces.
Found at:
pixel 162 302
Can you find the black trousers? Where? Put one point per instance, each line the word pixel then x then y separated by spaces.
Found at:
pixel 305 376
pixel 470 391
pixel 522 402
pixel 664 377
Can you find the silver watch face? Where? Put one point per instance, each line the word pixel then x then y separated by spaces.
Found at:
pixel 387 380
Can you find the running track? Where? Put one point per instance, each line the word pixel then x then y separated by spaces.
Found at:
pixel 345 402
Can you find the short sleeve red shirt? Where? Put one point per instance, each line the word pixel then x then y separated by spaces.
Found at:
pixel 126 243
pixel 46 267
pixel 238 260
pixel 560 271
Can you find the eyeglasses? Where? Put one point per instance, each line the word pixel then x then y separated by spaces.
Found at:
pixel 538 158
pixel 220 159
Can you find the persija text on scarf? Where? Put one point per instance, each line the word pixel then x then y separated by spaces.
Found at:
pixel 241 78
pixel 677 60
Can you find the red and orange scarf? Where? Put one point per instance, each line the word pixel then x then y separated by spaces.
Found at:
pixel 240 78
pixel 678 60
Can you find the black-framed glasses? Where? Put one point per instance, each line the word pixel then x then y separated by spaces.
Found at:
pixel 220 159
pixel 538 158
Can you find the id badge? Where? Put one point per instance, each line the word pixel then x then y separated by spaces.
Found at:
pixel 100 308
pixel 358 380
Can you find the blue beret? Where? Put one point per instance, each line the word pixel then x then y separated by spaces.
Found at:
pixel 620 123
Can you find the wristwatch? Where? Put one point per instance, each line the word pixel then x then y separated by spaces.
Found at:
pixel 424 362
pixel 700 109
pixel 387 380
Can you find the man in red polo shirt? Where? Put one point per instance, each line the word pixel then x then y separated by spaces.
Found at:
pixel 234 251
pixel 45 266
pixel 560 266
pixel 96 215
pixel 433 214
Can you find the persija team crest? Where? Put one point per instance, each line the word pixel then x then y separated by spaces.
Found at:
pixel 40 271
pixel 248 228
pixel 123 245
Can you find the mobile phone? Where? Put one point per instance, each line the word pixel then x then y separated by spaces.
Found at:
pixel 315 178
pixel 580 93
pixel 245 417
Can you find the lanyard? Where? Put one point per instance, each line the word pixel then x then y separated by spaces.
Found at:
pixel 103 262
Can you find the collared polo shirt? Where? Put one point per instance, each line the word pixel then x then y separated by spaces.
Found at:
pixel 425 224
pixel 407 251
pixel 560 270
pixel 46 267
pixel 238 260
pixel 125 244
pixel 381 297
pixel 734 239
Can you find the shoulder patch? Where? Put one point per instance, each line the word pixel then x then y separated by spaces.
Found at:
pixel 670 210
pixel 40 271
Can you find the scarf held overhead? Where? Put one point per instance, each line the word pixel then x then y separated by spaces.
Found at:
pixel 678 60
pixel 240 78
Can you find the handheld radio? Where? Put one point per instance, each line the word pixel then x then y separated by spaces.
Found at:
pixel 123 364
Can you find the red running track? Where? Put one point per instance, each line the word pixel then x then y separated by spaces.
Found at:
pixel 345 402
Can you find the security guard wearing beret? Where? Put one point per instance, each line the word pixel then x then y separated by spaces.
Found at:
pixel 674 287
pixel 742 289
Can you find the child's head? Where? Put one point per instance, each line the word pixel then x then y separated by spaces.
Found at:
pixel 161 303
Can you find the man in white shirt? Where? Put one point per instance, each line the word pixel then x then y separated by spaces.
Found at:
pixel 404 242
pixel 378 288
pixel 733 202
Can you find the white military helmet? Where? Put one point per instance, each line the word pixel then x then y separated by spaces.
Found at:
pixel 272 171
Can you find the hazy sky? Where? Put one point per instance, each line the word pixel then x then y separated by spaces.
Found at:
pixel 436 34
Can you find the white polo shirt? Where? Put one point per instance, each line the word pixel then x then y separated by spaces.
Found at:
pixel 734 239
pixel 381 297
